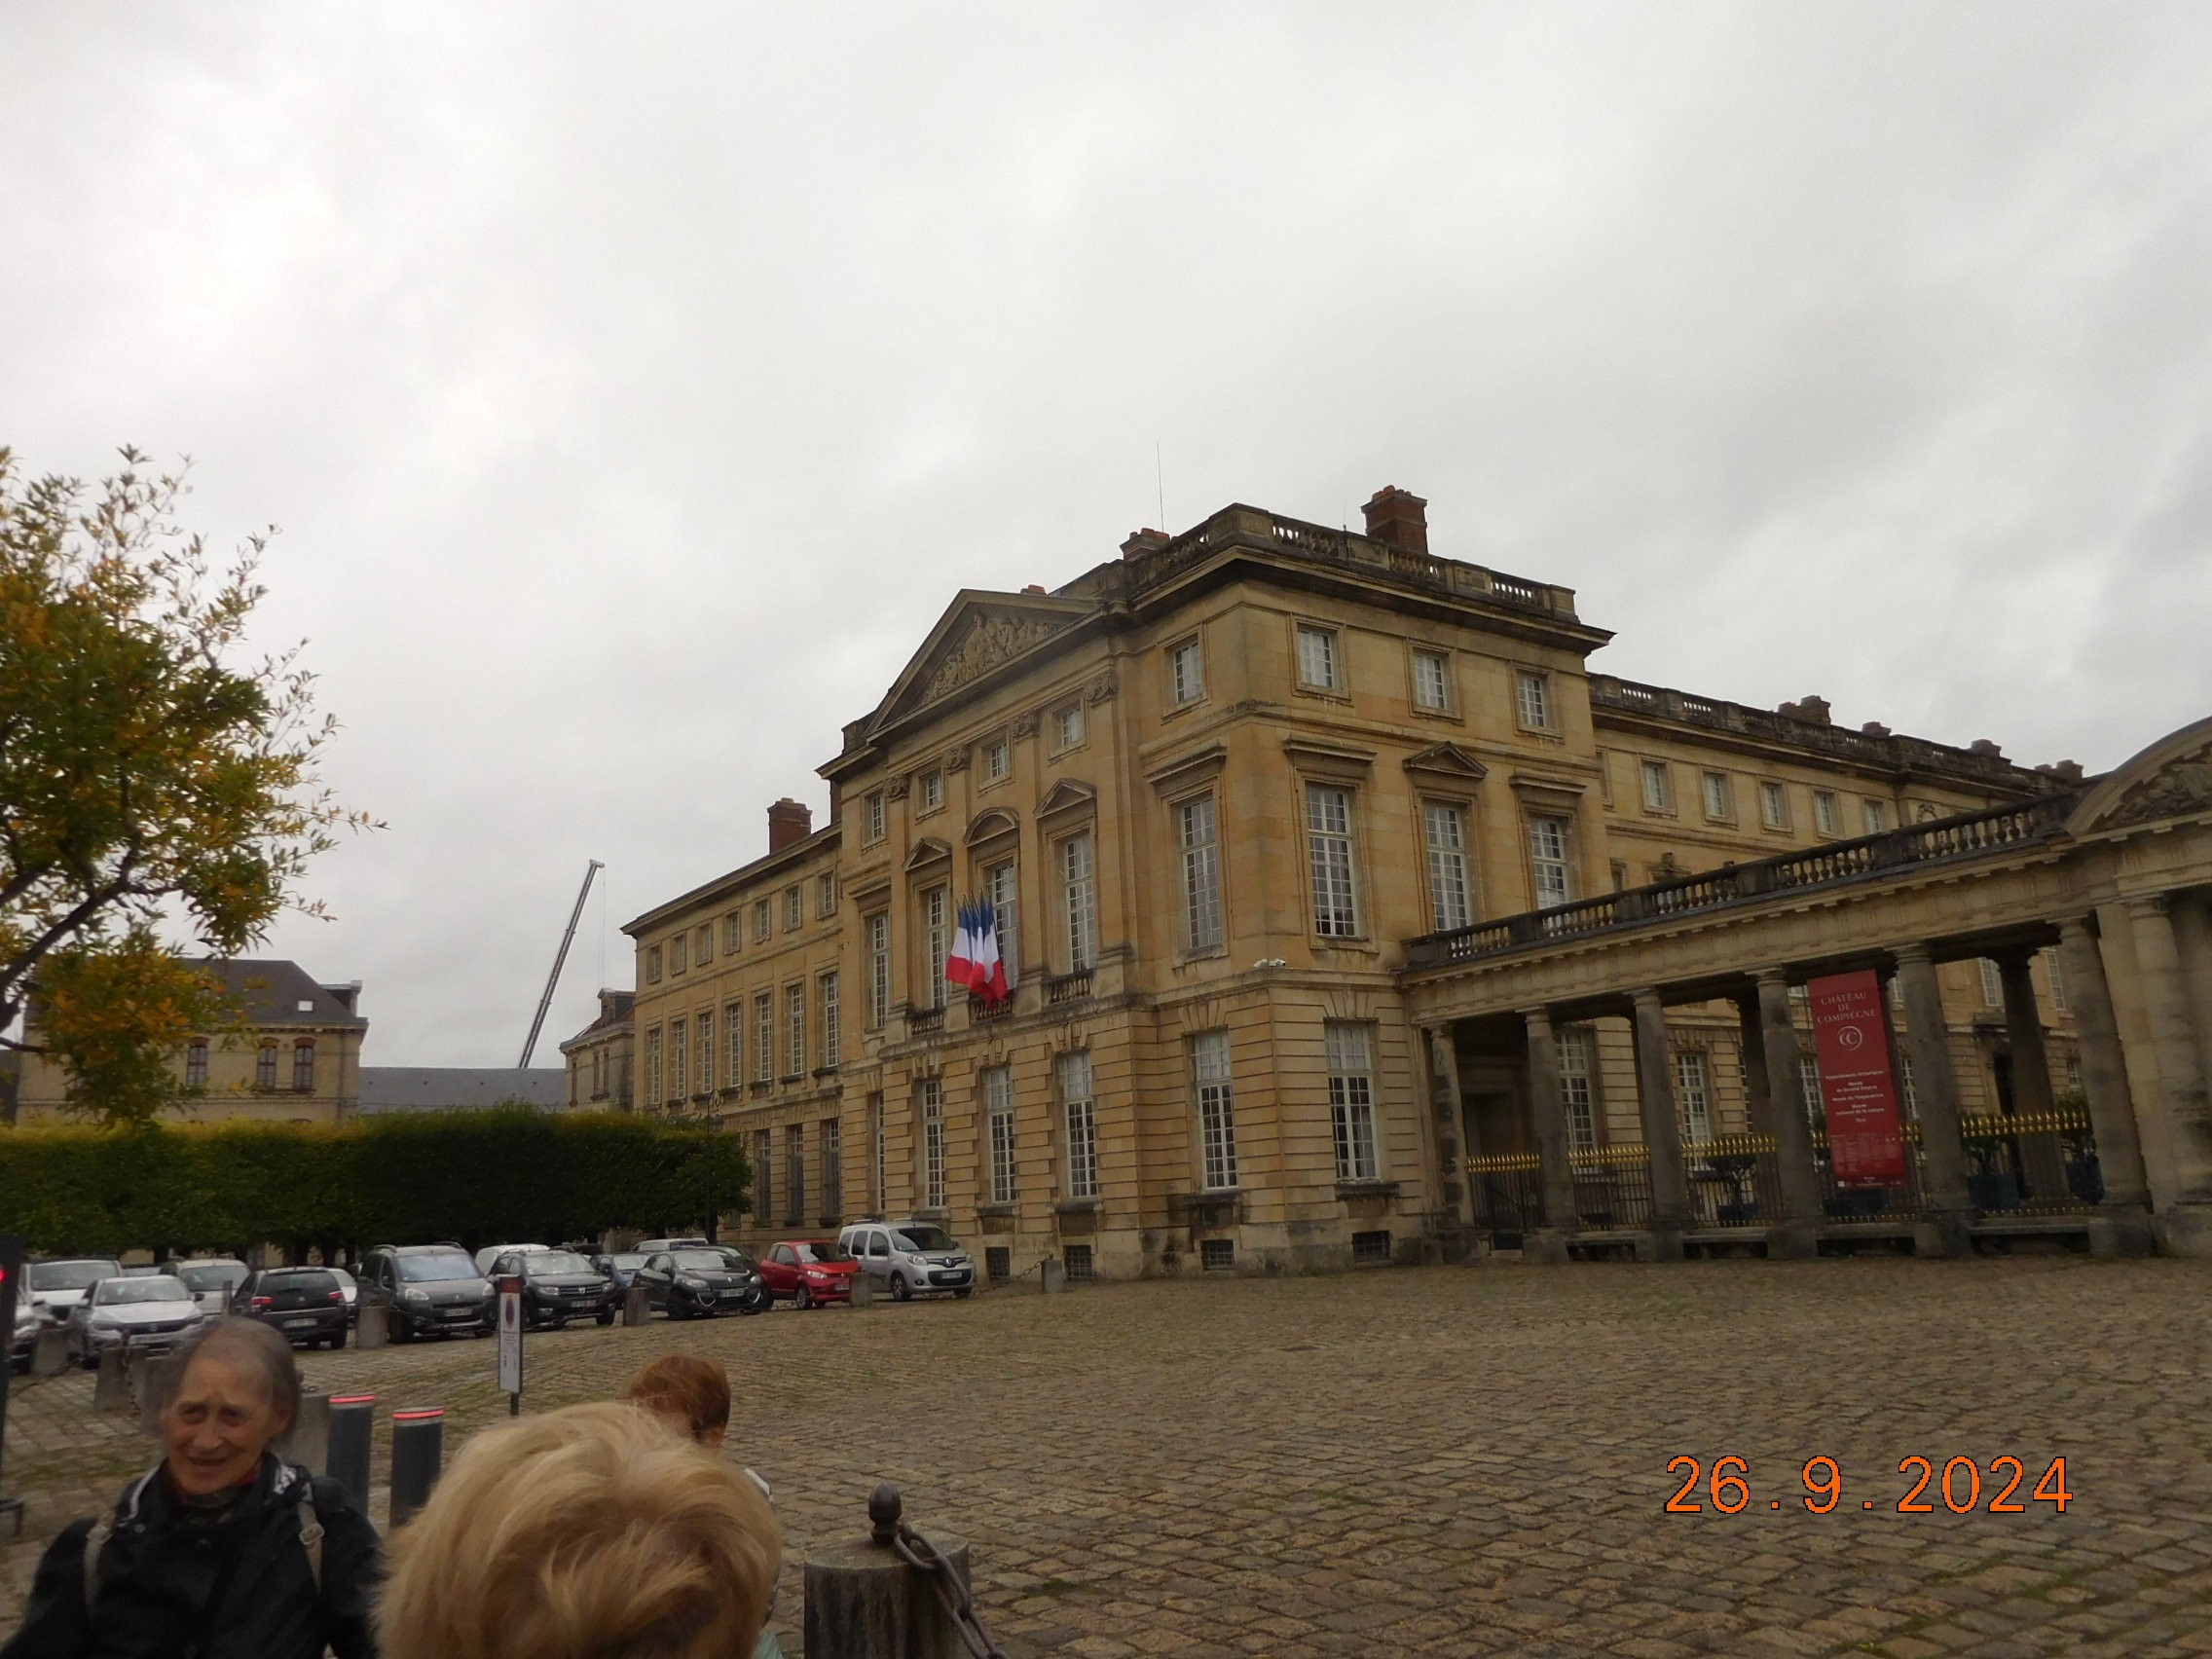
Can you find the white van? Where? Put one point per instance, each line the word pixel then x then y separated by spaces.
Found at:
pixel 910 1256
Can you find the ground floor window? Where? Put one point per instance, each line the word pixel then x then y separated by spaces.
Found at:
pixel 1076 1259
pixel 1217 1110
pixel 1217 1254
pixel 932 1144
pixel 1369 1249
pixel 1352 1098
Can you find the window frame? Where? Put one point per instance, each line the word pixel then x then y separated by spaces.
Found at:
pixel 764 1036
pixel 825 895
pixel 679 952
pixel 1717 796
pixel 1079 923
pixel 795 1028
pixel 1064 713
pixel 303 1066
pixel 1326 918
pixel 1329 640
pixel 1079 1113
pixel 997 1099
pixel 929 1110
pixel 929 791
pixel 653 969
pixel 1416 657
pixel 1774 793
pixel 1186 690
pixel 875 941
pixel 1007 908
pixel 1828 815
pixel 794 906
pixel 1539 681
pixel 933 905
pixel 1456 814
pixel 1201 861
pixel 1352 1097
pixel 875 819
pixel 996 764
pixel 1649 767
pixel 1576 1047
pixel 1214 1099
pixel 1536 860
pixel 831 1014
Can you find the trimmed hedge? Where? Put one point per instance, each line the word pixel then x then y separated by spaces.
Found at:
pixel 475 1177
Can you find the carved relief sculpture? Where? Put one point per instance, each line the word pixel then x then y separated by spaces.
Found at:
pixel 988 641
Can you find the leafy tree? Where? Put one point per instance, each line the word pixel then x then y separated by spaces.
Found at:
pixel 146 778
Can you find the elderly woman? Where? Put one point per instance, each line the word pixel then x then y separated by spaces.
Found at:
pixel 224 1549
pixel 590 1530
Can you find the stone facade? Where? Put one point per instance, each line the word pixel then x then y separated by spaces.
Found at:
pixel 601 1060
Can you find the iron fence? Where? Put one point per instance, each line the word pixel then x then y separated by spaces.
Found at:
pixel 1612 1186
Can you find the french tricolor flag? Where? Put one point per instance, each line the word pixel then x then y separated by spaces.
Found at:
pixel 973 961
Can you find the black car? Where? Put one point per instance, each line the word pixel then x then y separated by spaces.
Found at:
pixel 305 1304
pixel 556 1286
pixel 428 1290
pixel 701 1280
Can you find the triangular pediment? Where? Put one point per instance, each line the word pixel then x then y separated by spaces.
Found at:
pixel 1066 796
pixel 1446 760
pixel 927 851
pixel 978 634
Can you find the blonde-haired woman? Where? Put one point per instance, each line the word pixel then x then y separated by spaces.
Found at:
pixel 583 1532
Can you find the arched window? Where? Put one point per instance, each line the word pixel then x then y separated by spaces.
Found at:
pixel 303 1068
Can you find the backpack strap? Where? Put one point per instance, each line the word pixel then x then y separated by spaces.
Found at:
pixel 95 1542
pixel 310 1537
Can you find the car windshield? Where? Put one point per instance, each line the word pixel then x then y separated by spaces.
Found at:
pixel 162 1289
pixel 71 1276
pixel 712 1261
pixel 213 1275
pixel 924 1239
pixel 629 1261
pixel 539 1263
pixel 345 1280
pixel 430 1269
pixel 317 1283
pixel 822 1252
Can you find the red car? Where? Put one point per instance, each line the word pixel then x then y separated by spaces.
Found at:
pixel 809 1271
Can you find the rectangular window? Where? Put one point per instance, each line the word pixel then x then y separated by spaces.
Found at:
pixel 878 1194
pixel 679 1056
pixel 931 790
pixel 1774 806
pixel 2055 970
pixel 795 1030
pixel 733 1027
pixel 998 1111
pixel 1826 818
pixel 652 966
pixel 832 1034
pixel 872 815
pixel 1719 797
pixel 1217 1254
pixel 703 944
pixel 1532 699
pixel 1079 893
pixel 303 1068
pixel 1317 658
pixel 1877 818
pixel 794 1173
pixel 1658 787
pixel 998 760
pixel 1577 1088
pixel 733 932
pixel 1328 855
pixel 932 1144
pixel 1004 893
pixel 1549 872
pixel 679 953
pixel 794 908
pixel 652 1065
pixel 937 941
pixel 1352 1098
pixel 1992 984
pixel 195 1063
pixel 832 1168
pixel 2074 1074
pixel 763 1150
pixel 763 1038
pixel 1077 1261
pixel 1083 1127
pixel 704 1051
pixel 1202 873
pixel 1809 1085
pixel 1432 681
pixel 878 969
pixel 1693 1097
pixel 763 920
pixel 1186 674
pixel 825 895
pixel 1217 1110
pixel 1067 726
pixel 1449 901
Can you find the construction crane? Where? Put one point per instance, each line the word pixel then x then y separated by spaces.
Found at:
pixel 559 958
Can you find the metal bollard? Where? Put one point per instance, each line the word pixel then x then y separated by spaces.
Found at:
pixel 308 1439
pixel 864 1291
pixel 418 1451
pixel 146 1373
pixel 111 1391
pixel 51 1357
pixel 635 1310
pixel 353 1418
pixel 864 1600
pixel 371 1329
pixel 1052 1274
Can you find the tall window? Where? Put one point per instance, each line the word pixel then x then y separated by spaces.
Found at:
pixel 878 1194
pixel 703 943
pixel 763 920
pixel 1217 1110
pixel 1201 873
pixel 679 953
pixel 1079 896
pixel 195 1063
pixel 1445 827
pixel 1186 674
pixel 1658 787
pixel 878 969
pixel 832 1031
pixel 931 790
pixel 733 1026
pixel 763 1037
pixel 303 1068
pixel 795 1029
pixel 652 966
pixel 1719 799
pixel 1083 1127
pixel 1067 726
pixel 1548 867
pixel 1578 1092
pixel 1877 816
pixel 998 760
pixel 932 1144
pixel 652 1065
pixel 1826 818
pixel 704 1046
pixel 1000 882
pixel 1774 806
pixel 825 895
pixel 794 1173
pixel 937 941
pixel 733 932
pixel 1352 1098
pixel 872 811
pixel 1992 984
pixel 1328 854
pixel 1534 698
pixel 1432 685
pixel 679 1056
pixel 998 1112
pixel 832 1168
pixel 1693 1097
pixel 1317 658
pixel 763 1150
pixel 2055 968
pixel 794 908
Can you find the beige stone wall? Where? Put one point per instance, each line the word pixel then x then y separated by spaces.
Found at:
pixel 233 1092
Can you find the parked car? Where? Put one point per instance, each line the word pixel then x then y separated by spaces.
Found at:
pixel 654 1246
pixel 59 1285
pixel 350 1290
pixel 703 1280
pixel 620 1265
pixel 149 1314
pixel 213 1279
pixel 23 1342
pixel 559 1285
pixel 809 1271
pixel 428 1290
pixel 492 1252
pixel 303 1303
pixel 910 1256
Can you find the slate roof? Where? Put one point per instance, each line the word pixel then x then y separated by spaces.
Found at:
pixel 274 991
pixel 445 1089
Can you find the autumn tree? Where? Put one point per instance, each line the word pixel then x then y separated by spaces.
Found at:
pixel 152 784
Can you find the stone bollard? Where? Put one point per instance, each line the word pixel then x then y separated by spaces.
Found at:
pixel 372 1330
pixel 418 1454
pixel 353 1419
pixel 1052 1274
pixel 112 1391
pixel 146 1374
pixel 865 1602
pixel 864 1291
pixel 51 1357
pixel 634 1309
pixel 308 1439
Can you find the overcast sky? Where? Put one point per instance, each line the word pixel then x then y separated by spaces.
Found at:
pixel 634 386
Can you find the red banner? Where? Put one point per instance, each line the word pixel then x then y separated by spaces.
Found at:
pixel 1866 1139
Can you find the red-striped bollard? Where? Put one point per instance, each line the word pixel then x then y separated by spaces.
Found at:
pixel 417 1448
pixel 353 1418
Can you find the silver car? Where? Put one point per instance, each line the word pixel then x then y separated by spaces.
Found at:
pixel 142 1315
pixel 59 1285
pixel 910 1256
pixel 213 1279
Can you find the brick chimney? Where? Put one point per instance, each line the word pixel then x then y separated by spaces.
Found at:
pixel 1398 517
pixel 788 821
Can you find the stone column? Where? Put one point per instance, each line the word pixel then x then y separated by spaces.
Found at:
pixel 1549 1109
pixel 1457 1198
pixel 1661 1129
pixel 1936 1087
pixel 2042 1159
pixel 1758 1087
pixel 2125 1210
pixel 1798 1232
pixel 2184 1227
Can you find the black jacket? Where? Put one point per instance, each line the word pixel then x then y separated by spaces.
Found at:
pixel 174 1585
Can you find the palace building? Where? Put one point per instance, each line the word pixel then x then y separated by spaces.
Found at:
pixel 1354 918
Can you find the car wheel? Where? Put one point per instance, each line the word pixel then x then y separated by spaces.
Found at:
pixel 607 1320
pixel 900 1290
pixel 802 1299
pixel 337 1341
pixel 402 1331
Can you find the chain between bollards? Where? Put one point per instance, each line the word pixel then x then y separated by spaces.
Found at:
pixel 917 1552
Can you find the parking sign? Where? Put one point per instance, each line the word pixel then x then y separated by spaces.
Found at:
pixel 510 1340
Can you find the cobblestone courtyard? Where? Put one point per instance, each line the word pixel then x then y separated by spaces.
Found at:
pixel 1446 1460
